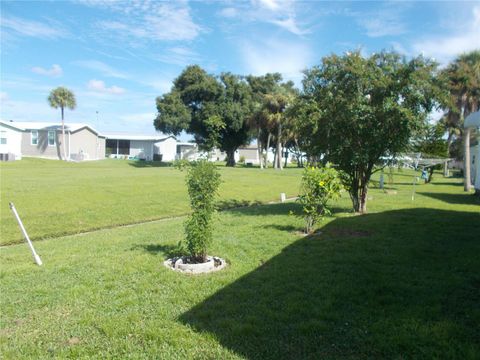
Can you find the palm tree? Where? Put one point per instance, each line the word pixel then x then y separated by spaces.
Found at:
pixel 61 98
pixel 463 78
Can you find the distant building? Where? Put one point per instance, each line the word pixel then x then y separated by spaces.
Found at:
pixel 143 147
pixel 473 122
pixel 44 140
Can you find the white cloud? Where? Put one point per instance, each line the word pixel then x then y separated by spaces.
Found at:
pixel 383 26
pixel 54 71
pixel 178 55
pixel 290 25
pixel 150 20
pixel 32 28
pixel 99 86
pixel 445 48
pixel 104 69
pixel 270 4
pixel 229 12
pixel 281 13
pixel 383 21
pixel 270 56
pixel 3 96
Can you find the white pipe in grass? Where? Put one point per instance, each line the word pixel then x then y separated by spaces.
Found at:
pixel 35 255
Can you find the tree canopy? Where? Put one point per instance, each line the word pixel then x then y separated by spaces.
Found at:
pixel 355 110
pixel 213 109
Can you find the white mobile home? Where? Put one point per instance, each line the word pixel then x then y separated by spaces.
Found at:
pixel 473 122
pixel 44 140
pixel 143 147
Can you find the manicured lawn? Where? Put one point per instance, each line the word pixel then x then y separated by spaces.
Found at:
pixel 400 282
pixel 56 198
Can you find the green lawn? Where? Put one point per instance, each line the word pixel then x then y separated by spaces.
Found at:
pixel 401 282
pixel 56 198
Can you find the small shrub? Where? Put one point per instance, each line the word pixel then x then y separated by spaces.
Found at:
pixel 319 186
pixel 181 164
pixel 203 181
pixel 242 159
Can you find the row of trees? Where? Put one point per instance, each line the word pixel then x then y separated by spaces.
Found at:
pixel 352 110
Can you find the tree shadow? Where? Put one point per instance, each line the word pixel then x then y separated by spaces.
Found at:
pixel 149 164
pixel 398 284
pixel 446 183
pixel 229 204
pixel 158 249
pixel 461 199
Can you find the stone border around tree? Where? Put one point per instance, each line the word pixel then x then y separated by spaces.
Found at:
pixel 181 264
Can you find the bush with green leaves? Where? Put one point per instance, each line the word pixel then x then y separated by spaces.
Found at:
pixel 319 186
pixel 203 180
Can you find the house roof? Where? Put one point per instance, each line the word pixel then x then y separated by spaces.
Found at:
pixel 155 138
pixel 31 125
pixel 472 120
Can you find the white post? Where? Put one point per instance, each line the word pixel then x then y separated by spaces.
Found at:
pixel 35 255
pixel 283 197
pixel 415 179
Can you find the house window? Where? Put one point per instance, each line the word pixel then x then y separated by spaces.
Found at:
pixel 51 138
pixel 3 137
pixel 34 137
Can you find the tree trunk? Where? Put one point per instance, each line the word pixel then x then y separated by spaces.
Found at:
pixel 363 199
pixel 466 160
pixel 230 158
pixel 286 156
pixel 449 142
pixel 279 148
pixel 259 149
pixel 269 138
pixel 63 136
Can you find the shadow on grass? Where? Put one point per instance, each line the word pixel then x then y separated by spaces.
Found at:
pixel 157 249
pixel 463 199
pixel 398 284
pixel 233 203
pixel 149 164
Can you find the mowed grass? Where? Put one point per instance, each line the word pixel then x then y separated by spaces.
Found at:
pixel 401 282
pixel 56 198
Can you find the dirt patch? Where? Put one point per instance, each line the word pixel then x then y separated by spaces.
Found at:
pixel 73 341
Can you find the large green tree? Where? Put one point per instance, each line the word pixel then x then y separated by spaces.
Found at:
pixel 62 98
pixel 213 109
pixel 463 82
pixel 356 110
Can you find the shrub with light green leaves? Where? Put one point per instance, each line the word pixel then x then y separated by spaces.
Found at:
pixel 203 180
pixel 319 186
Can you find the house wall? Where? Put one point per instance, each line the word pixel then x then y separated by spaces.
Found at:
pixel 168 149
pixel 42 149
pixel 14 142
pixel 84 145
pixel 142 148
pixel 250 155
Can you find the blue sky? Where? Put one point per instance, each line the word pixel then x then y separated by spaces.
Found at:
pixel 117 57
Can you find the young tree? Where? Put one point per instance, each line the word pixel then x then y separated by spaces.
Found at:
pixel 213 109
pixel 357 110
pixel 62 98
pixel 203 180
